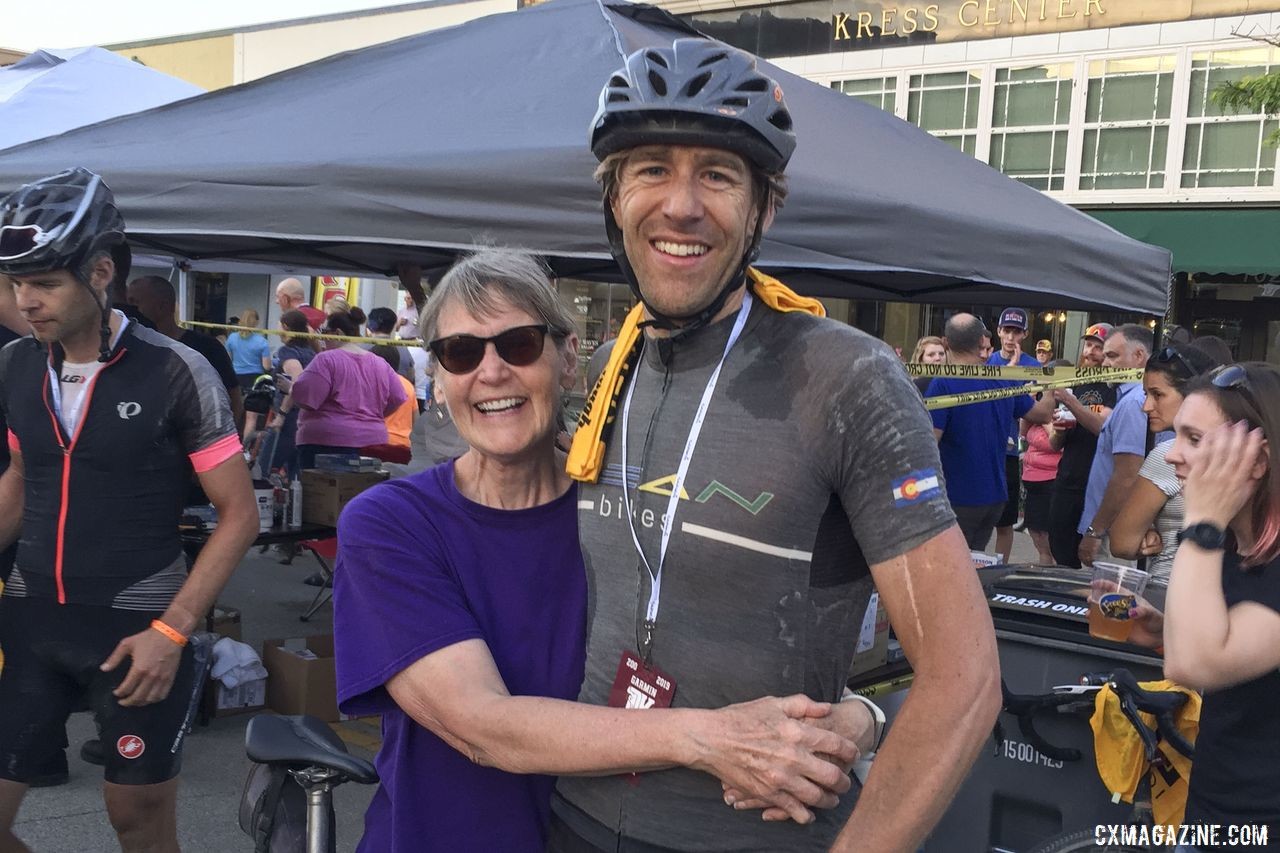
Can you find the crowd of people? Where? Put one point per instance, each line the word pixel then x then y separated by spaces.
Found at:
pixel 642 643
pixel 1084 467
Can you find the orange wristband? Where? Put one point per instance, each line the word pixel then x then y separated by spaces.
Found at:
pixel 169 632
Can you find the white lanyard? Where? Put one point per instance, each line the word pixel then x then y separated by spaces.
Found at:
pixel 673 503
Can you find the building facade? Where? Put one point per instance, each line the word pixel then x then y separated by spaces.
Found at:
pixel 1105 105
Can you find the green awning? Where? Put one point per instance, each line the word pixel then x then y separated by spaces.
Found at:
pixel 1240 240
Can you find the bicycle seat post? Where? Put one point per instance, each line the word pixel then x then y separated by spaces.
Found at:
pixel 318 783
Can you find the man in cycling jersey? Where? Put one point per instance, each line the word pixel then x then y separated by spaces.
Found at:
pixel 789 460
pixel 106 419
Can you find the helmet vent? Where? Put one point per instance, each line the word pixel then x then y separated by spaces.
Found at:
pixel 735 102
pixel 696 84
pixel 781 120
pixel 755 84
pixel 659 85
pixel 657 58
pixel 713 58
pixel 618 98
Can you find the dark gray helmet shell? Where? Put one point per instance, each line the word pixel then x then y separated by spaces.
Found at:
pixel 72 215
pixel 697 92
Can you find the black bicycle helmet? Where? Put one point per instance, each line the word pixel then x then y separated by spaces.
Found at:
pixel 58 223
pixel 697 92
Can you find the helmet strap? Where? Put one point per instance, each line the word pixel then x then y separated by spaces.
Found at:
pixel 104 310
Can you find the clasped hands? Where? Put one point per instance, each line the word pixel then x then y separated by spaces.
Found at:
pixel 785 756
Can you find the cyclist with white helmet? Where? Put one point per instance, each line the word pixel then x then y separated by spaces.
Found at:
pixel 747 471
pixel 106 420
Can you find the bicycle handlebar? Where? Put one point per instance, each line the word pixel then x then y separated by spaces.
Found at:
pixel 1132 698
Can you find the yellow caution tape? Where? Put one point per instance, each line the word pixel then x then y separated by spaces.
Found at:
pixel 390 342
pixel 1002 371
pixel 947 401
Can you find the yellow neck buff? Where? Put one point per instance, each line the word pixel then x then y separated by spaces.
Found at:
pixel 586 456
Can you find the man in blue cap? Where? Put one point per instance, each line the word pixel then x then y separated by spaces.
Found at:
pixel 1012 329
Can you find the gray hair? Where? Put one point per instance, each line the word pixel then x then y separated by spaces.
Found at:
pixel 1137 336
pixel 480 282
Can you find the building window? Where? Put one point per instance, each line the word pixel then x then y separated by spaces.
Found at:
pixel 1126 129
pixel 946 105
pixel 1227 150
pixel 1030 118
pixel 877 91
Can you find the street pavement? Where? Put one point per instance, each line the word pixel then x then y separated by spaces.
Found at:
pixel 71 818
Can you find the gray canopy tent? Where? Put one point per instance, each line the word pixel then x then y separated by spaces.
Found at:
pixel 420 148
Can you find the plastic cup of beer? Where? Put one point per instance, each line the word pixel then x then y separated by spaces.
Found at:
pixel 1113 592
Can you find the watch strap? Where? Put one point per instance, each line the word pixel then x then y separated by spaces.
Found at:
pixel 877 715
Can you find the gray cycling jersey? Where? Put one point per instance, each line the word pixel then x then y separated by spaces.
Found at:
pixel 816 458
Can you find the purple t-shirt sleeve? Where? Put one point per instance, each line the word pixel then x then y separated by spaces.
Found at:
pixel 396 597
pixel 315 383
pixel 1022 405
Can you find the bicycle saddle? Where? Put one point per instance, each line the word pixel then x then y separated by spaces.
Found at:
pixel 302 741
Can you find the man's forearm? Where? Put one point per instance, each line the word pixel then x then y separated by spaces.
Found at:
pixel 917 771
pixel 217 561
pixel 1119 487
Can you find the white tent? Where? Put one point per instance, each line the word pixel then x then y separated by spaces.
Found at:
pixel 52 91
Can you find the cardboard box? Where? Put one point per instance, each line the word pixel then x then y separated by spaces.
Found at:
pixel 872 650
pixel 301 678
pixel 225 622
pixel 325 493
pixel 221 701
pixel 982 560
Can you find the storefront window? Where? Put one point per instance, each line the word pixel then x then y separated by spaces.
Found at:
pixel 1029 122
pixel 1126 131
pixel 600 309
pixel 1227 150
pixel 946 105
pixel 877 91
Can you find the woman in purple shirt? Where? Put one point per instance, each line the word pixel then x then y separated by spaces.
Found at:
pixel 460 606
pixel 344 396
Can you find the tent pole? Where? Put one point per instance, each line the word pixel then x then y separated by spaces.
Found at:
pixel 183 299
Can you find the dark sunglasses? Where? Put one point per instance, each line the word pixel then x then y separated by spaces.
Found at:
pixel 1172 357
pixel 1235 378
pixel 518 346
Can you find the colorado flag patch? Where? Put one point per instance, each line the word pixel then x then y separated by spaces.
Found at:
pixel 917 485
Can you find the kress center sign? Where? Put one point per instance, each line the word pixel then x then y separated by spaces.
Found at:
pixel 959 20
pixel 969 15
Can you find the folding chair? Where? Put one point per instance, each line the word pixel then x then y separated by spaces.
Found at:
pixel 325 551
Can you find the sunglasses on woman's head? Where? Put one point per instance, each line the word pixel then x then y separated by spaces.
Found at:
pixel 1172 357
pixel 518 346
pixel 1235 378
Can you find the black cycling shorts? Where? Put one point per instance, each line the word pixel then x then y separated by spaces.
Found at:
pixel 52 654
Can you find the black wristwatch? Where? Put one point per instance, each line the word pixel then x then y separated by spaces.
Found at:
pixel 1208 536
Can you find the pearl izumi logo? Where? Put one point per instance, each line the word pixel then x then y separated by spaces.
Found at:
pixel 129 410
pixel 131 747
